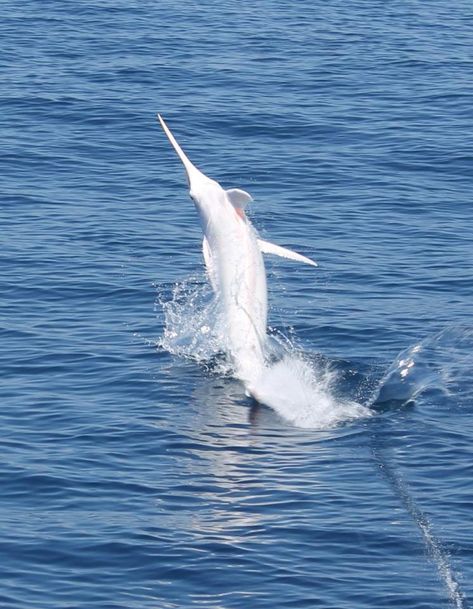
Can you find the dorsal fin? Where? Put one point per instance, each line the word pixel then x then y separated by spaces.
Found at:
pixel 238 198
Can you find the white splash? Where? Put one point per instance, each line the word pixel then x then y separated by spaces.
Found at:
pixel 191 324
pixel 301 392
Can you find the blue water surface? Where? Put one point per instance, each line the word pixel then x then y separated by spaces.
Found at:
pixel 134 479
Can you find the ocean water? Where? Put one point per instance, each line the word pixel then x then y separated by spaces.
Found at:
pixel 135 473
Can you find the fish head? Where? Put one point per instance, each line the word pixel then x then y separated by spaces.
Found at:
pixel 206 193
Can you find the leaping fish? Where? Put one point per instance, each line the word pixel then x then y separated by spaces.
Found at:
pixel 233 258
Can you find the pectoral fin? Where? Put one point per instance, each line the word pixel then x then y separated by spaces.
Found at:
pixel 277 250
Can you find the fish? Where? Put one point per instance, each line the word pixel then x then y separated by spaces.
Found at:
pixel 233 256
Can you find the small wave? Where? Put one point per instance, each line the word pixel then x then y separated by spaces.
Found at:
pixel 437 362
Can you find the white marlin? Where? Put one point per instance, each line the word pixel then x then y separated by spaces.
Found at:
pixel 235 266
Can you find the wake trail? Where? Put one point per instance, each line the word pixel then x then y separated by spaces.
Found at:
pixel 438 362
pixel 435 549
